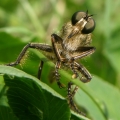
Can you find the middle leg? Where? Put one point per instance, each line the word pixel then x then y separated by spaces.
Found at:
pixel 57 41
pixel 72 91
pixel 57 75
pixel 70 98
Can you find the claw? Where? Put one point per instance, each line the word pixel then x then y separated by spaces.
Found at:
pixel 74 107
pixel 84 80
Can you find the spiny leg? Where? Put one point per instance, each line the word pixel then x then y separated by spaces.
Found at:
pixel 86 76
pixel 69 89
pixel 75 75
pixel 77 67
pixel 56 39
pixel 78 54
pixel 72 66
pixel 82 52
pixel 38 46
pixel 20 56
pixel 71 92
pixel 74 91
pixel 57 75
pixel 70 99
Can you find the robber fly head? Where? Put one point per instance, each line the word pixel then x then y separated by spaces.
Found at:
pixel 84 20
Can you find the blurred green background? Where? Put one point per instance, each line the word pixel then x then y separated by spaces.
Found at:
pixel 23 21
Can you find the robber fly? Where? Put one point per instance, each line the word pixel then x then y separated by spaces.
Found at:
pixel 72 44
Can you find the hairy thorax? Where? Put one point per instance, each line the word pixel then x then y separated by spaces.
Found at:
pixel 69 45
pixel 78 40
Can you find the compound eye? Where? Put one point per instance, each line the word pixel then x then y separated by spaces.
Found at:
pixel 77 16
pixel 89 27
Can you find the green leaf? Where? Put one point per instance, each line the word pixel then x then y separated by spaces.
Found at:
pixel 75 116
pixel 5 111
pixel 31 99
pixel 107 97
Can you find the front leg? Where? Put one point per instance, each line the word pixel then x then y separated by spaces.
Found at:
pixel 55 39
pixel 56 43
pixel 38 46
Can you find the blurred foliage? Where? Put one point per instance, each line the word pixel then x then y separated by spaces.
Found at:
pixel 23 21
